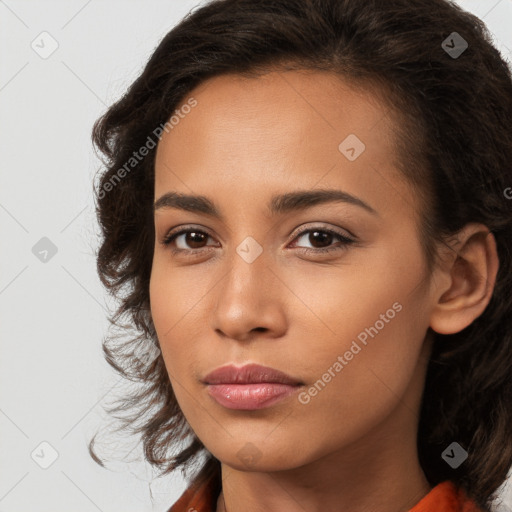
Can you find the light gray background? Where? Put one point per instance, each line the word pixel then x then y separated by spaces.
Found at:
pixel 53 376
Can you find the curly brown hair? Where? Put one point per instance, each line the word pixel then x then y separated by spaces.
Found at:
pixel 455 138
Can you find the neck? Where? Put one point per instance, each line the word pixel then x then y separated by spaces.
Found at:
pixel 378 472
pixel 383 489
pixel 265 492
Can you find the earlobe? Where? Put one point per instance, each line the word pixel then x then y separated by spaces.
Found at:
pixel 471 276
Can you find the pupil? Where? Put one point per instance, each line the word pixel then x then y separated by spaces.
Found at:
pixel 320 236
pixel 191 241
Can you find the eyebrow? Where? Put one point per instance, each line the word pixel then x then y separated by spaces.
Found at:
pixel 279 204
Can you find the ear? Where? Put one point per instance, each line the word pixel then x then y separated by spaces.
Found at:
pixel 464 281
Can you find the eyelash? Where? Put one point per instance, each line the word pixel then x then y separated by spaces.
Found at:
pixel 169 238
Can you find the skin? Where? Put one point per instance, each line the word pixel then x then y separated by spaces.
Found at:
pixel 353 445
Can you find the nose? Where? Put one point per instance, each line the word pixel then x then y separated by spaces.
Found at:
pixel 249 301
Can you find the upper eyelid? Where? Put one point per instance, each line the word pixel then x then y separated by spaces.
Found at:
pixel 296 233
pixel 180 230
pixel 336 231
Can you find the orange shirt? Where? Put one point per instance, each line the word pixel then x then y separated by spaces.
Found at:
pixel 444 497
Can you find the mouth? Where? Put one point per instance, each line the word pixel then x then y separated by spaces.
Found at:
pixel 249 387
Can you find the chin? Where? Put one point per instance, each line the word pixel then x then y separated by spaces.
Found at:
pixel 259 456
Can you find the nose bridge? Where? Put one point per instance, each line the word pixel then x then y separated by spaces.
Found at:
pixel 246 298
pixel 247 264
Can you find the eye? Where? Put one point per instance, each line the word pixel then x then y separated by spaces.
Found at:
pixel 192 240
pixel 321 240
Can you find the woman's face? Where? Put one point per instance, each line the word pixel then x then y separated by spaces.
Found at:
pixel 253 285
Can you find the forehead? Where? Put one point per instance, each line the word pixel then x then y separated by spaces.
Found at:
pixel 276 131
pixel 279 107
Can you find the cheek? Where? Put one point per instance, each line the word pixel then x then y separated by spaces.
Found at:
pixel 362 334
pixel 168 314
pixel 179 302
pixel 372 293
pixel 175 298
pixel 352 387
pixel 170 310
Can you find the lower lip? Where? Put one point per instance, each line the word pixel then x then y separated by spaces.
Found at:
pixel 250 396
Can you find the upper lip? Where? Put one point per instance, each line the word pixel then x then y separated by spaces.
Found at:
pixel 249 373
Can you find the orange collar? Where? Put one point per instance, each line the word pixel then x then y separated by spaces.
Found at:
pixel 444 497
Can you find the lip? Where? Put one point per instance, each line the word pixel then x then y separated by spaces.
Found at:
pixel 248 374
pixel 249 387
